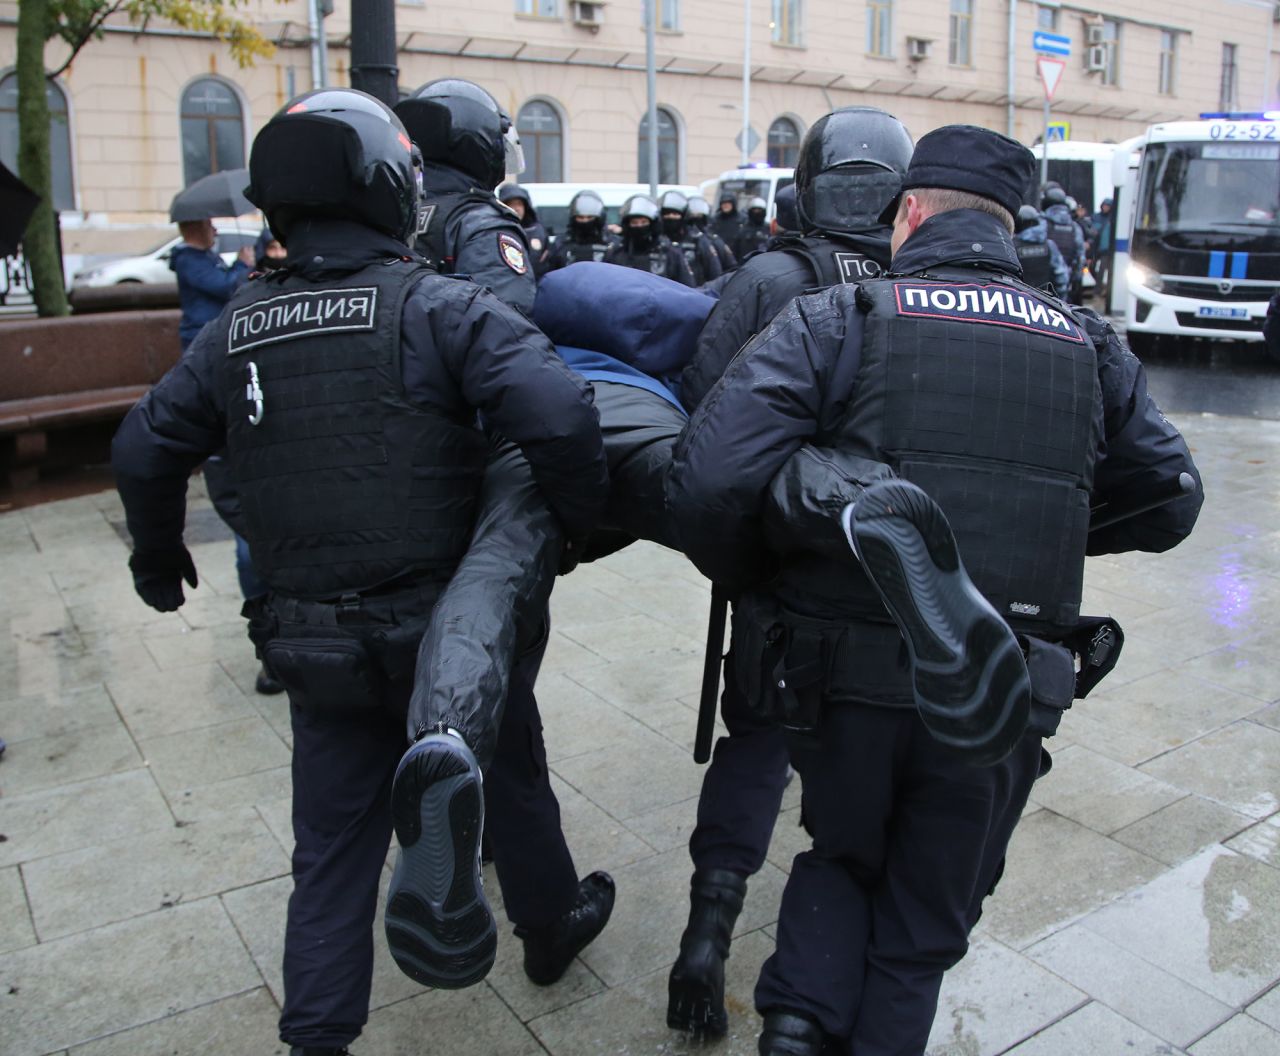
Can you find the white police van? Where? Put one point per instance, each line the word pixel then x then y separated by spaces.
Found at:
pixel 1198 227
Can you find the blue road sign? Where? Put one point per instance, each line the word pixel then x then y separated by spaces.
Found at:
pixel 1059 131
pixel 1051 43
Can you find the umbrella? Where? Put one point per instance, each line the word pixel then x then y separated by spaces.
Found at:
pixel 219 194
pixel 17 203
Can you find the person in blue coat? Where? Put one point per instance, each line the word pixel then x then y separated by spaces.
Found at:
pixel 205 283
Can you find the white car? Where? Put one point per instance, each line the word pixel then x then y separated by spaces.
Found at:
pixel 153 266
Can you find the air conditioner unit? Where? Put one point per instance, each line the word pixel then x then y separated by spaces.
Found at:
pixel 918 48
pixel 1093 33
pixel 1095 58
pixel 587 14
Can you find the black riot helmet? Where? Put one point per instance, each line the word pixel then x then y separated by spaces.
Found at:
pixel 673 205
pixel 1053 195
pixel 587 204
pixel 359 164
pixel 640 237
pixel 1028 216
pixel 459 124
pixel 850 172
pixel 698 211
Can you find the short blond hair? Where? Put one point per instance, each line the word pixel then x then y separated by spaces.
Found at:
pixel 943 200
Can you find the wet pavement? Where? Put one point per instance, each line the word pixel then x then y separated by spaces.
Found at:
pixel 1215 377
pixel 144 807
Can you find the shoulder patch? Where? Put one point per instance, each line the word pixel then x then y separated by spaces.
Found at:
pixel 298 314
pixel 424 218
pixel 989 304
pixel 512 253
pixel 854 267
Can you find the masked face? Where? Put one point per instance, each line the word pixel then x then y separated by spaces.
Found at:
pixel 673 225
pixel 638 234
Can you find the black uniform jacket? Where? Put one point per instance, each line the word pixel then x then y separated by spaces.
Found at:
pixel 462 350
pixel 800 371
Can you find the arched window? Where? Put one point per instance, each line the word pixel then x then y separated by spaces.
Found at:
pixel 542 139
pixel 212 129
pixel 784 143
pixel 64 196
pixel 668 148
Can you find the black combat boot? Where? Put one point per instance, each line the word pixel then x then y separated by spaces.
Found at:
pixel 311 1050
pixel 549 951
pixel 790 1034
pixel 695 989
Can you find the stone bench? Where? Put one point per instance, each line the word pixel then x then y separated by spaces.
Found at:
pixel 74 378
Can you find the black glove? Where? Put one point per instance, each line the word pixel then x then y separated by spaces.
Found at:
pixel 158 576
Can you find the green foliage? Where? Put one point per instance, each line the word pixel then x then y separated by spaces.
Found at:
pixel 76 22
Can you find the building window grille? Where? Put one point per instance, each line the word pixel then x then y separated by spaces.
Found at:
pixel 1111 40
pixel 1168 61
pixel 1228 88
pixel 64 196
pixel 668 148
pixel 786 24
pixel 880 27
pixel 784 143
pixel 542 139
pixel 960 51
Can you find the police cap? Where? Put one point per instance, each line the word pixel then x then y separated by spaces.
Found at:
pixel 972 159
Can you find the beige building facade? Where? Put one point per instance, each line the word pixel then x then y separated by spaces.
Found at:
pixel 143 112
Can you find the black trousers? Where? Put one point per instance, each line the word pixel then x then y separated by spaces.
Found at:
pixel 342 772
pixel 741 790
pixel 907 842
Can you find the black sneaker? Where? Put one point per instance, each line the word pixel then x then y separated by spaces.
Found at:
pixel 968 673
pixel 439 927
pixel 549 951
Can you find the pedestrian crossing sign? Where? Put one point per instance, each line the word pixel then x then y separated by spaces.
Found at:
pixel 1059 131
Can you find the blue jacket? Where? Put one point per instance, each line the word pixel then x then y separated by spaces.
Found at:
pixel 647 324
pixel 205 284
pixel 1038 234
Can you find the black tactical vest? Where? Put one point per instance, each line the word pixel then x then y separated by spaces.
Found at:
pixel 1037 265
pixel 690 249
pixel 656 261
pixel 433 216
pixel 1064 237
pixel 985 393
pixel 344 484
pixel 573 252
pixel 832 261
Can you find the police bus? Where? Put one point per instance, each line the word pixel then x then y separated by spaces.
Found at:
pixel 1200 201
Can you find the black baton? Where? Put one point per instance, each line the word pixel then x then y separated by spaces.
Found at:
pixel 711 674
pixel 1103 516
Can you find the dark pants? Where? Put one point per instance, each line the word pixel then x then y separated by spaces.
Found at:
pixel 342 772
pixel 907 842
pixel 741 790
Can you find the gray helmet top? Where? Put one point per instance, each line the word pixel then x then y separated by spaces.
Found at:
pixel 459 124
pixel 1053 195
pixel 852 164
pixel 360 164
pixel 586 203
pixel 640 205
pixel 1028 216
pixel 698 209
pixel 673 202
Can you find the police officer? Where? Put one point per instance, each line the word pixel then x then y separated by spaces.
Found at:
pixel 644 246
pixel 931 375
pixel 347 387
pixel 754 233
pixel 696 248
pixel 1065 233
pixel 469 145
pixel 697 217
pixel 1042 263
pixel 587 237
pixel 786 220
pixel 517 199
pixel 728 221
pixel 850 172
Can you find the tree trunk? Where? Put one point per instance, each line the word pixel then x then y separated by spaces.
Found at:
pixel 40 242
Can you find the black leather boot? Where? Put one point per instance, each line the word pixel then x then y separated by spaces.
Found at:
pixel 549 951
pixel 790 1034
pixel 695 989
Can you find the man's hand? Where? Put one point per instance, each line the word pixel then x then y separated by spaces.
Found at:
pixel 158 576
pixel 245 256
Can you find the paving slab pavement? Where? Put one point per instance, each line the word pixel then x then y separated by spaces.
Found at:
pixel 144 812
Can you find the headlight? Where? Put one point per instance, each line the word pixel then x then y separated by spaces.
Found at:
pixel 1140 276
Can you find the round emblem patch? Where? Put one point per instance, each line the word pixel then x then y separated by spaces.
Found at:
pixel 512 252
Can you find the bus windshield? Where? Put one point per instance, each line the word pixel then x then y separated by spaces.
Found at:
pixel 1203 187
